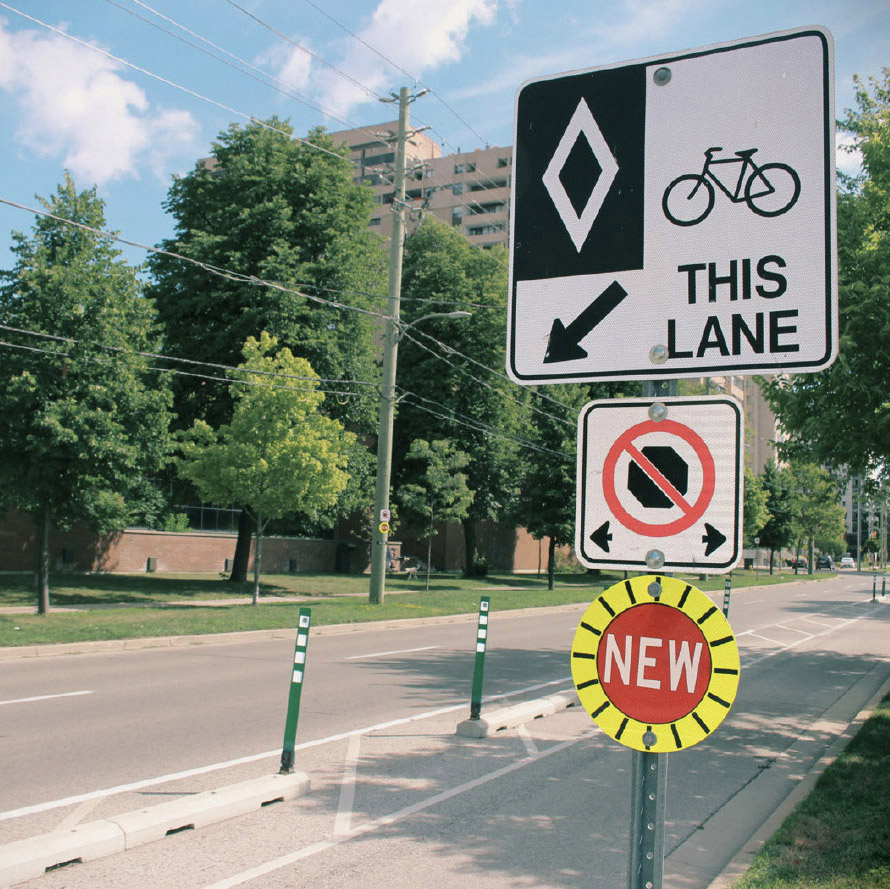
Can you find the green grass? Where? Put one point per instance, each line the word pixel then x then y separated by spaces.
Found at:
pixel 169 604
pixel 839 836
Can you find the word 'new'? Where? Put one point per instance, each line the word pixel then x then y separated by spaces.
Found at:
pixel 680 660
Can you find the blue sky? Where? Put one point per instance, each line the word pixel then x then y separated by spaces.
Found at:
pixel 67 106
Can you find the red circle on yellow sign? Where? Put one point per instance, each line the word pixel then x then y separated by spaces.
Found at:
pixel 654 664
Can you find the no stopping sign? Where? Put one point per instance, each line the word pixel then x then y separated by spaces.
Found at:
pixel 660 476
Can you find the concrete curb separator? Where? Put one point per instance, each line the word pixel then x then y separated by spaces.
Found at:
pixel 739 865
pixel 30 858
pixel 518 714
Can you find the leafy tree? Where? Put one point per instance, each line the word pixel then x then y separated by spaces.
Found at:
pixel 547 499
pixel 819 410
pixel 270 208
pixel 777 532
pixel 446 394
pixel 756 510
pixel 279 455
pixel 83 418
pixel 815 506
pixel 440 492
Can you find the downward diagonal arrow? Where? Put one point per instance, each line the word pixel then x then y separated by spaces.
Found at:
pixel 564 344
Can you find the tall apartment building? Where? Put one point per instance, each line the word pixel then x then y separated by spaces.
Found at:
pixel 469 190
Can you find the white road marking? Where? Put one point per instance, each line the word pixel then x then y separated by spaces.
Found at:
pixel 72 819
pixel 244 760
pixel 357 657
pixel 66 694
pixel 275 864
pixel 530 747
pixel 343 821
pixel 795 630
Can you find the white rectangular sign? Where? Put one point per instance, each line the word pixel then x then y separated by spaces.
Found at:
pixel 675 217
pixel 660 484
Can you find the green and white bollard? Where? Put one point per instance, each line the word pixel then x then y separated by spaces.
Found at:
pixel 296 689
pixel 727 586
pixel 479 668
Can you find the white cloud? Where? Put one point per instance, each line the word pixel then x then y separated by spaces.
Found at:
pixel 73 104
pixel 644 20
pixel 292 66
pixel 848 158
pixel 415 37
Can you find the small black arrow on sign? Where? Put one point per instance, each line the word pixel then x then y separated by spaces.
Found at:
pixel 601 537
pixel 713 538
pixel 564 343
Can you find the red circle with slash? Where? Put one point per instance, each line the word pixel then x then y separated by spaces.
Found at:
pixel 692 512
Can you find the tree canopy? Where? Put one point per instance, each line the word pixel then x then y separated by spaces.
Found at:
pixel 279 455
pixel 820 410
pixel 439 491
pixel 278 230
pixel 447 392
pixel 83 418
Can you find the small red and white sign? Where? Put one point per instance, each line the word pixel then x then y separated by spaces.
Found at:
pixel 660 484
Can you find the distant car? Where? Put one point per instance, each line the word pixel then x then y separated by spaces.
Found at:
pixel 824 562
pixel 800 563
pixel 847 562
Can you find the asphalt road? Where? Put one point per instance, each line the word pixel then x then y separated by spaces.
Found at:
pixel 397 797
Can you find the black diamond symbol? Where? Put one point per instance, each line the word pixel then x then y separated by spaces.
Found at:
pixel 580 173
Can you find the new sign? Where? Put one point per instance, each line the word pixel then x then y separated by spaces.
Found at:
pixel 655 664
pixel 674 217
pixel 660 484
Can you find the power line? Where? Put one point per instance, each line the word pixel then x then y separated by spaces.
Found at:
pixel 226 367
pixel 169 370
pixel 236 277
pixel 240 278
pixel 264 77
pixel 249 117
pixel 363 42
pixel 299 46
pixel 476 379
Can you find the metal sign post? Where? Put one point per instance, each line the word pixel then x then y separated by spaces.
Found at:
pixel 645 867
pixel 656 666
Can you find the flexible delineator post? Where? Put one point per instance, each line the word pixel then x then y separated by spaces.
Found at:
pixel 479 668
pixel 727 586
pixel 296 689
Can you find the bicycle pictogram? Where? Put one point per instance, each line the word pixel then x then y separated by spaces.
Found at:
pixel 768 190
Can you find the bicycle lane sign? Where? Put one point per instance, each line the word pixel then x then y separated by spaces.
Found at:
pixel 660 484
pixel 675 216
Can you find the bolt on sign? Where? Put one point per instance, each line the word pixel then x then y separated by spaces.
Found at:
pixel 655 664
pixel 675 216
pixel 660 484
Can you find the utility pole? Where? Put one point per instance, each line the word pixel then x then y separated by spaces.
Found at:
pixel 379 527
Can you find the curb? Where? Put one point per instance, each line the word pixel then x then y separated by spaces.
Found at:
pixel 743 859
pixel 33 857
pixel 148 642
pixel 518 714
